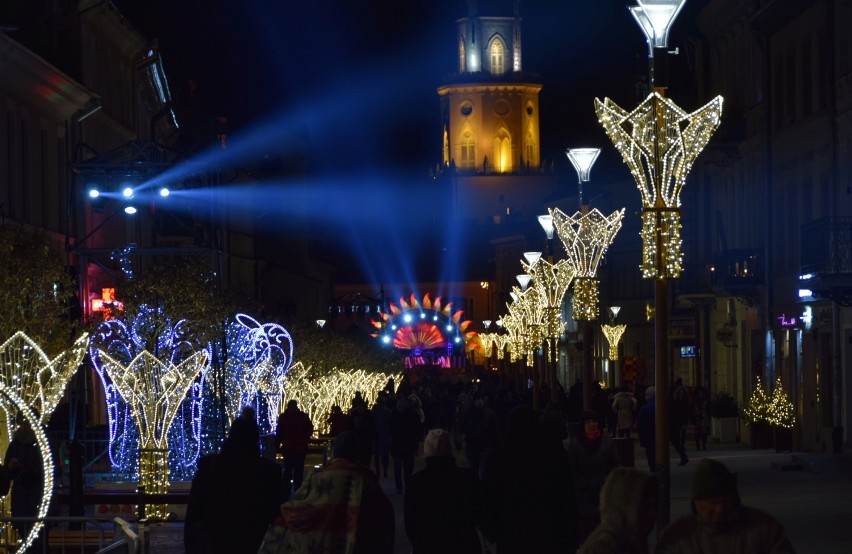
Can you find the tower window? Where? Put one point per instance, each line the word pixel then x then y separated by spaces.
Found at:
pixel 498 55
pixel 468 150
pixel 503 151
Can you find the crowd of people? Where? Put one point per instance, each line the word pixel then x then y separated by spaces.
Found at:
pixel 498 476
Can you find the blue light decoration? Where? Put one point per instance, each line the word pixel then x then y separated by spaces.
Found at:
pixel 259 356
pixel 152 332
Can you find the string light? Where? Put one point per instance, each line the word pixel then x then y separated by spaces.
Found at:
pixel 10 399
pixel 781 411
pixel 613 335
pixel 40 381
pixel 317 392
pixel 154 389
pixel 551 282
pixel 759 405
pixel 586 237
pixel 658 141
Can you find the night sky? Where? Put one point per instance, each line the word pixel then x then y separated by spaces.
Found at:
pixel 379 63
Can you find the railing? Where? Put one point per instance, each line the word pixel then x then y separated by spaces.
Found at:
pixel 827 246
pixel 73 534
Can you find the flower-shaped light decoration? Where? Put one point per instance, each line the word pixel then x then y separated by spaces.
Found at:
pixel 10 399
pixel 171 343
pixel 316 391
pixel 514 324
pixel 551 282
pixel 490 340
pixel 154 389
pixel 586 237
pixel 659 143
pixel 27 370
pixel 529 308
pixel 613 335
pixel 259 356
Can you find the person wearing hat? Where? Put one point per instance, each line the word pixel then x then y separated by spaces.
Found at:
pixel 719 521
pixel 442 502
pixel 292 434
pixel 592 456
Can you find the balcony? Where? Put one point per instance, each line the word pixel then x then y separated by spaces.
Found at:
pixel 828 258
pixel 739 273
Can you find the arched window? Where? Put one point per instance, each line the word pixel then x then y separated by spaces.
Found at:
pixel 530 148
pixel 461 55
pixel 446 148
pixel 468 149
pixel 498 55
pixel 503 152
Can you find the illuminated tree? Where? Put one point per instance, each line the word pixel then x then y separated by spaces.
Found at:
pixel 759 406
pixel 781 411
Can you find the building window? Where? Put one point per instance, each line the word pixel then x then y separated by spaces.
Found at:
pixel 503 151
pixel 498 55
pixel 468 149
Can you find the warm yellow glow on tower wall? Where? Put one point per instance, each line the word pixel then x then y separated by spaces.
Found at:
pixel 503 119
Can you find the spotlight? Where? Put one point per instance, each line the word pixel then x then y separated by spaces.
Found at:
pixel 407 318
pixel 127 192
pixel 94 193
pixel 164 192
pixel 130 210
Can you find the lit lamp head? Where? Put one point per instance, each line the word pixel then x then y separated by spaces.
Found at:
pixel 532 257
pixel 583 159
pixel 655 18
pixel 320 323
pixel 614 311
pixel 486 323
pixel 524 280
pixel 546 222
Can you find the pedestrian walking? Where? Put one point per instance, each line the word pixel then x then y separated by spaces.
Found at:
pixel 24 463
pixel 646 427
pixel 442 502
pixel 701 416
pixel 406 432
pixel 679 414
pixel 234 495
pixel 628 505
pixel 292 434
pixel 381 415
pixel 592 456
pixel 340 508
pixel 624 407
pixel 720 522
pixel 528 490
pixel 482 433
pixel 362 424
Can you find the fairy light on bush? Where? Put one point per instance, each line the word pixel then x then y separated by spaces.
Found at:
pixel 781 411
pixel 759 406
pixel 586 237
pixel 658 141
pixel 316 392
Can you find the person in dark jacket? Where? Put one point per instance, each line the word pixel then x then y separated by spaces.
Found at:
pixel 292 435
pixel 645 427
pixel 719 521
pixel 406 432
pixel 442 502
pixel 528 492
pixel 234 495
pixel 24 462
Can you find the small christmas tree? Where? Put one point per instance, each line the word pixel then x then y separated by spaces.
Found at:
pixel 759 407
pixel 781 412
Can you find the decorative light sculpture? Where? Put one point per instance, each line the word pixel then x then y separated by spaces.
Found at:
pixel 586 237
pixel 491 340
pixel 10 399
pixel 39 381
pixel 316 392
pixel 659 142
pixel 172 343
pixel 781 410
pixel 259 356
pixel 613 335
pixel 154 388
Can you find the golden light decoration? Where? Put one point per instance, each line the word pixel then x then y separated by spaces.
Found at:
pixel 10 398
pixel 513 324
pixel 586 237
pixel 316 392
pixel 154 389
pixel 551 282
pixel 530 311
pixel 659 142
pixel 40 381
pixel 490 340
pixel 613 334
pixel 781 411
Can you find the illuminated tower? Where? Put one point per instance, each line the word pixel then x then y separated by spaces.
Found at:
pixel 489 115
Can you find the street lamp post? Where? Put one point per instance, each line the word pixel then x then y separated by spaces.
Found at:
pixel 582 159
pixel 659 143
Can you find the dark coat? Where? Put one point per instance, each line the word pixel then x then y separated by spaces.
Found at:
pixel 442 503
pixel 234 496
pixel 645 423
pixel 26 475
pixel 293 432
pixel 529 501
pixel 406 432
